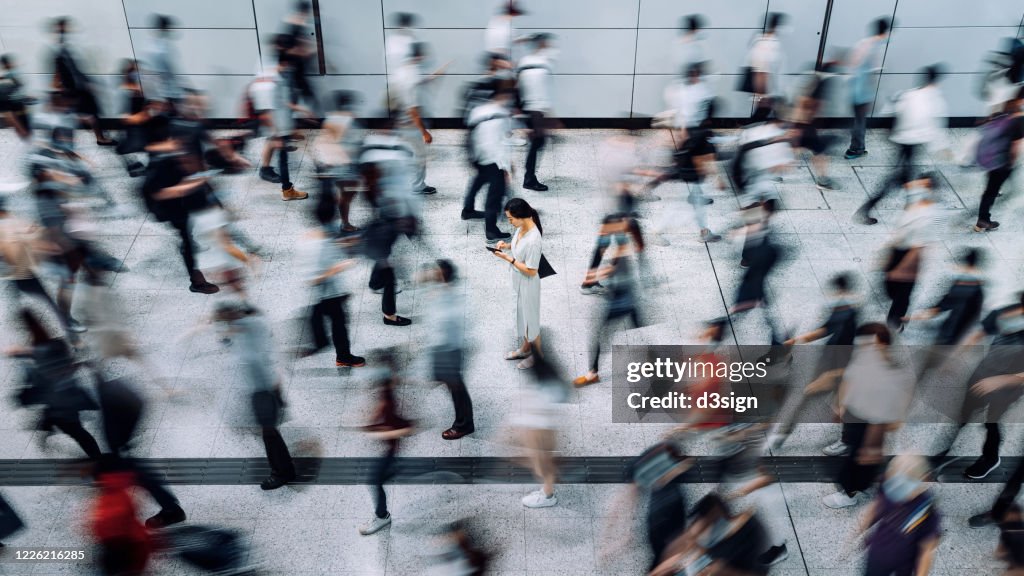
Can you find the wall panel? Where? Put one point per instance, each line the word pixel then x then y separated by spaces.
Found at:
pixel 649 95
pixel 719 14
pixel 958 89
pixel 593 51
pixel 208 51
pixel 726 48
pixel 960 50
pixel 353 36
pixel 802 35
pixel 579 14
pixel 192 13
pixel 592 96
pixel 936 13
pixel 442 13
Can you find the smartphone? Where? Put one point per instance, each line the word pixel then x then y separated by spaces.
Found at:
pixel 204 174
pixel 492 249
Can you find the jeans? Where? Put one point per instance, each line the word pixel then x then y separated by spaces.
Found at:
pixel 537 139
pixel 903 174
pixel 181 224
pixel 383 470
pixel 996 178
pixel 612 315
pixel 494 178
pixel 448 369
pixel 333 308
pixel 73 428
pixel 281 465
pixel 854 476
pixel 860 125
pixel 383 276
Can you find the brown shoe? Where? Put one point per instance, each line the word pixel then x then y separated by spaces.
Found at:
pixel 293 194
pixel 586 380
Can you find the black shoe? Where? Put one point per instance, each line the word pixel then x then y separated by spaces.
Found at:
pixel 533 184
pixel 268 174
pixel 136 169
pixel 744 264
pixel 496 236
pixel 863 218
pixel 107 142
pixel 853 154
pixel 981 520
pixel 398 321
pixel 472 215
pixel 203 288
pixel 982 467
pixel 773 556
pixel 273 482
pixel 985 225
pixel 428 190
pixel 350 362
pixel 166 517
pixel 454 433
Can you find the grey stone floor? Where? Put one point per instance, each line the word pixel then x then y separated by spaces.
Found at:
pixel 312 530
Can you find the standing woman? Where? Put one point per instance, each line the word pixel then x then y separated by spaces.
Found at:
pixel 524 257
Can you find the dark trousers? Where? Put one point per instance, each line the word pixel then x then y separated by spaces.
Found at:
pixel 494 178
pixel 996 178
pixel 900 293
pixel 334 309
pixel 902 175
pixel 181 224
pixel 151 483
pixel 1009 493
pixel 282 165
pixel 383 276
pixel 856 477
pixel 860 125
pixel 611 316
pixel 73 428
pixel 448 369
pixel 278 456
pixel 383 470
pixel 879 564
pixel 32 287
pixel 538 137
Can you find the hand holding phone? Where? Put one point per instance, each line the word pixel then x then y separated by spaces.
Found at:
pixel 491 249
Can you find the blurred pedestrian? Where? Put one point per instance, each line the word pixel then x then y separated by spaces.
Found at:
pixel 765 59
pixel 920 120
pixel 161 62
pixel 864 63
pixel 338 154
pixel 524 258
pixel 501 31
pixel 907 245
pixel 689 48
pixel 1000 146
pixel 295 41
pixel 813 96
pixel 488 124
pixel 537 429
pixel 459 554
pixel 447 349
pixel 68 77
pixel 534 81
pixel 124 544
pixel 406 93
pixel 14 100
pixel 281 120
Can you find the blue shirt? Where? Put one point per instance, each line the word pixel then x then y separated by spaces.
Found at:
pixel 870 50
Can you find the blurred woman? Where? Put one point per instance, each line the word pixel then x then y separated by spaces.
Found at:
pixel 905 524
pixel 13 100
pixel 524 259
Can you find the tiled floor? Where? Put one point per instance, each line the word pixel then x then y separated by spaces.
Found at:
pixel 312 530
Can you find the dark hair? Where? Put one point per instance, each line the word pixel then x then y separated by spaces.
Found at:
pixel 876 329
pixel 34 327
pixel 710 503
pixel 775 19
pixel 303 6
pixel 60 24
pixel 520 208
pixel 971 257
pixel 881 26
pixel 404 19
pixel 344 99
pixel 695 69
pixel 692 23
pixel 447 270
pixel 7 60
pixel 719 324
pixel 842 281
pixel 931 74
pixel 162 22
pixel 417 50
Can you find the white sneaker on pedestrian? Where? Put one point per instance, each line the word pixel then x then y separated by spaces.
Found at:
pixel 837 448
pixel 514 140
pixel 375 525
pixel 538 499
pixel 841 500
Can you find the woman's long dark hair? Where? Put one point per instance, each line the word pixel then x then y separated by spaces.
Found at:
pixel 520 208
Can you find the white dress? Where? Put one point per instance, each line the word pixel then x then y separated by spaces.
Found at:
pixel 526 249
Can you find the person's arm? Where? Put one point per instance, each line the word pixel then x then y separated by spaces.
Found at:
pixel 414 113
pixel 824 383
pixel 231 248
pixel 994 383
pixel 179 190
pixel 926 556
pixel 816 334
pixel 520 266
pixel 332 271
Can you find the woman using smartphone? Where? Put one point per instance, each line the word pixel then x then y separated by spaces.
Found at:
pixel 523 256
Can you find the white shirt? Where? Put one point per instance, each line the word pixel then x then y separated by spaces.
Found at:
pixel 404 87
pixel 394 158
pixel 535 81
pixel 875 390
pixel 767 157
pixel 689 50
pixel 399 47
pixel 261 91
pixel 498 35
pixel 690 101
pixel 921 117
pixel 317 255
pixel 766 56
pixel 917 227
pixel 489 123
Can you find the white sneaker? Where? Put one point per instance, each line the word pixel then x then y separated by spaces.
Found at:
pixel 841 500
pixel 837 448
pixel 375 525
pixel 516 141
pixel 538 499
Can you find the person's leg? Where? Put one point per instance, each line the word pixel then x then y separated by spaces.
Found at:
pixel 993 438
pixel 152 484
pixel 335 310
pixel 280 459
pixel 469 200
pixel 996 178
pixel 900 293
pixel 32 286
pixel 316 316
pixel 74 429
pixel 282 166
pixel 860 124
pixel 595 260
pixel 850 475
pixel 495 178
pixel 1009 493
pixel 388 304
pixel 382 472
pixel 537 140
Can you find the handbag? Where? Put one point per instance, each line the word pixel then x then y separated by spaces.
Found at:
pixel 10 522
pixel 544 269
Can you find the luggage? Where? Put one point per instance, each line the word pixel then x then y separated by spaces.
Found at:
pixel 214 550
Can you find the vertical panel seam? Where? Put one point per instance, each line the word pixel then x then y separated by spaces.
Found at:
pixel 387 73
pixel 824 33
pixel 259 45
pixel 318 29
pixel 131 42
pixel 636 47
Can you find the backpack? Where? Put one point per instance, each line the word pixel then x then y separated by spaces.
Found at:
pixel 994 146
